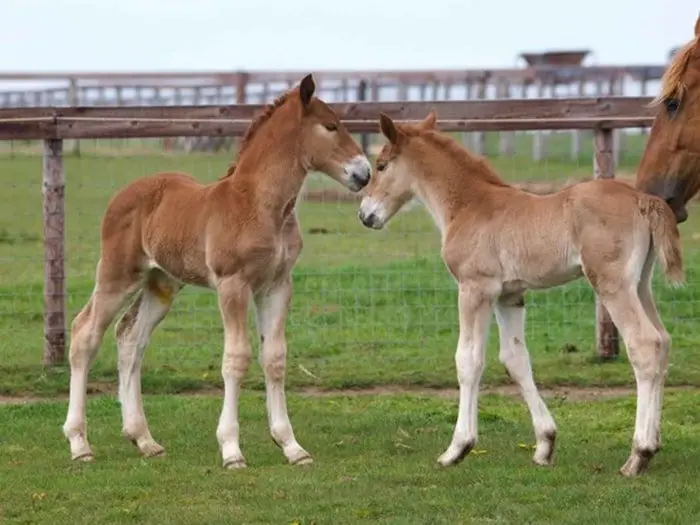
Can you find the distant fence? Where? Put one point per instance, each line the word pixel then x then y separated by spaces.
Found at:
pixel 195 88
pixel 53 125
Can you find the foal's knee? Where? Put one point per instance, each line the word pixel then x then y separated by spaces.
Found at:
pixel 469 363
pixel 236 362
pixel 273 356
pixel 647 352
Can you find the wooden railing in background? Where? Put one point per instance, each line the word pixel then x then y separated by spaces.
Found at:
pixel 53 125
pixel 195 88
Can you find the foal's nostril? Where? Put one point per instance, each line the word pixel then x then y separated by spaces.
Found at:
pixel 362 179
pixel 367 220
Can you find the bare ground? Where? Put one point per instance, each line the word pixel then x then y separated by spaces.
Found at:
pixel 563 393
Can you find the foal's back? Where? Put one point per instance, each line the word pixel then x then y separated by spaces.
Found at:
pixel 541 241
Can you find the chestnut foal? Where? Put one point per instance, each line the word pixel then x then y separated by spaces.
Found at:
pixel 499 241
pixel 238 236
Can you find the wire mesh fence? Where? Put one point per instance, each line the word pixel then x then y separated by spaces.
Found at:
pixel 369 307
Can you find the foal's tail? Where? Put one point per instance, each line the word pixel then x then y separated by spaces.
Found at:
pixel 665 236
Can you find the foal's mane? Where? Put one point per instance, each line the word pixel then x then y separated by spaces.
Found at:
pixel 257 123
pixel 472 163
pixel 671 82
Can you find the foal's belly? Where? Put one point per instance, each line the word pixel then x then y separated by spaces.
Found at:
pixel 544 278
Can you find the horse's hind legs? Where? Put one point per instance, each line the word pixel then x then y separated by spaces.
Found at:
pixel 87 331
pixel 133 331
pixel 647 348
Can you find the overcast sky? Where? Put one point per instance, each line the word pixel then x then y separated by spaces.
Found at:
pixel 331 34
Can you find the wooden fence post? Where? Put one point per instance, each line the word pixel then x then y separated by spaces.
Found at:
pixel 362 97
pixel 74 101
pixel 607 338
pixel 53 190
pixel 242 79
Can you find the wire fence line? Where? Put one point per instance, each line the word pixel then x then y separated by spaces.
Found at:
pixel 353 288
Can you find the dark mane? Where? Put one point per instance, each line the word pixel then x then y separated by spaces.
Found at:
pixel 671 82
pixel 255 125
pixel 464 157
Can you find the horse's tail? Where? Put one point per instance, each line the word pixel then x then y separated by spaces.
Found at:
pixel 665 236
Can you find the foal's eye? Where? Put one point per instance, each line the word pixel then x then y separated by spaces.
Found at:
pixel 381 166
pixel 331 126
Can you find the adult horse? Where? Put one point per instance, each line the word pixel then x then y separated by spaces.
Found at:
pixel 670 165
pixel 238 236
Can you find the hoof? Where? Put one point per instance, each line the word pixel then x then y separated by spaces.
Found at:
pixel 235 464
pixel 303 461
pixel 544 455
pixel 455 454
pixel 86 457
pixel 637 463
pixel 152 450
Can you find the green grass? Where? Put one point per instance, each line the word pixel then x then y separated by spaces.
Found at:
pixel 370 308
pixel 374 463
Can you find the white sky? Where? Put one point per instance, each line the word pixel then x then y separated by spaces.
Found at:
pixel 331 34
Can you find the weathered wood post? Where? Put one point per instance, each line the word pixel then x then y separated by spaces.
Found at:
pixel 362 97
pixel 53 190
pixel 479 137
pixel 74 101
pixel 607 338
pixel 506 146
pixel 241 95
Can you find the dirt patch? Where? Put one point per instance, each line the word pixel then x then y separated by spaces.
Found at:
pixel 569 393
pixel 563 393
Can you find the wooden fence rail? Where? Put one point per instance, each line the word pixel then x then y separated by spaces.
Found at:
pixel 52 125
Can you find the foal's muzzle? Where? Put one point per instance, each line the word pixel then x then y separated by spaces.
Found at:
pixel 358 171
pixel 370 220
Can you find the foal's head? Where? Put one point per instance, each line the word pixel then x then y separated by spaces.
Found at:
pixel 392 186
pixel 670 166
pixel 326 144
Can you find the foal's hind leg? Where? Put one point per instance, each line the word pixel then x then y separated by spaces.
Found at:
pixel 510 315
pixel 645 348
pixel 272 307
pixel 132 333
pixel 647 299
pixel 87 331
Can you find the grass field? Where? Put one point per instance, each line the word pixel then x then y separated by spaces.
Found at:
pixel 375 463
pixel 371 309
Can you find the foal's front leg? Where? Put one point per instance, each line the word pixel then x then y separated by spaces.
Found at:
pixel 475 308
pixel 272 307
pixel 234 297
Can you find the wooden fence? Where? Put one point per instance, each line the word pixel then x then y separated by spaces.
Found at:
pixel 53 125
pixel 547 75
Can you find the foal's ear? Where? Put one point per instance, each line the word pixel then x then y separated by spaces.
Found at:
pixel 388 128
pixel 428 122
pixel 697 27
pixel 307 89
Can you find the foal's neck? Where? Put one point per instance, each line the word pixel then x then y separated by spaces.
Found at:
pixel 272 179
pixel 451 182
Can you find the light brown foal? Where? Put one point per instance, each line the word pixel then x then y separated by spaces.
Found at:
pixel 499 241
pixel 238 236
